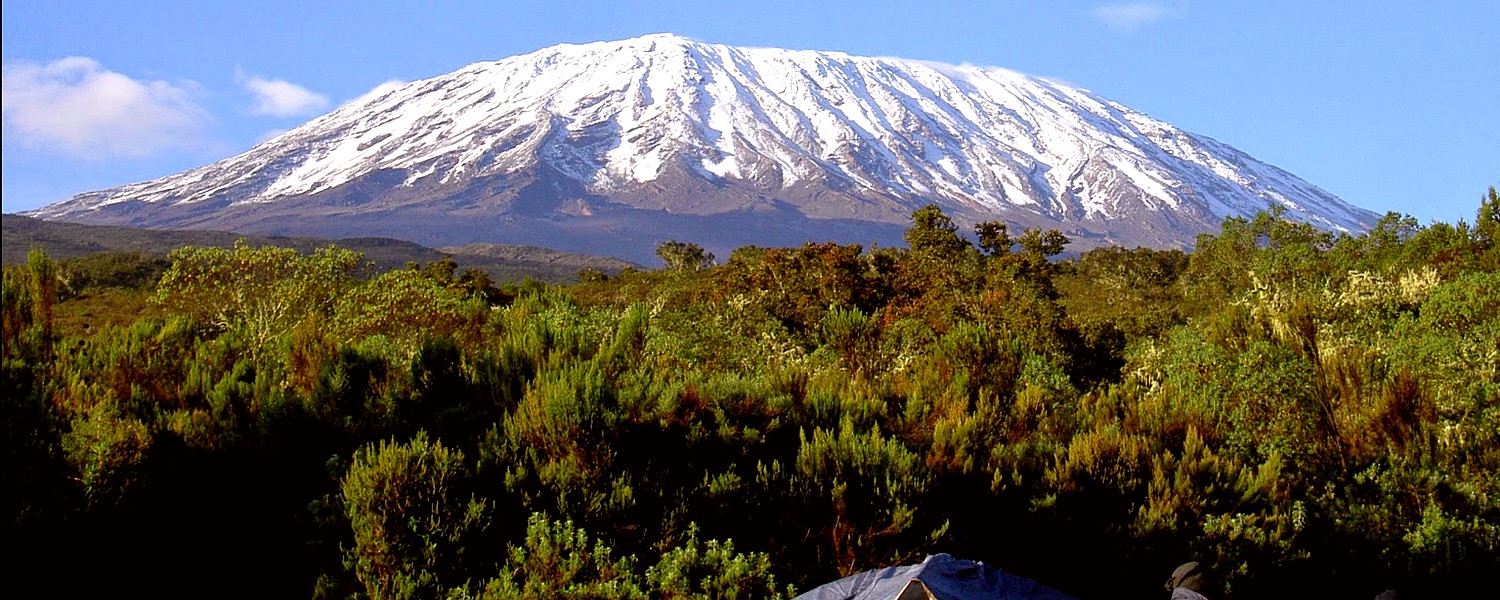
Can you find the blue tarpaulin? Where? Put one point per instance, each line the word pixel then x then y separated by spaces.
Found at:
pixel 945 577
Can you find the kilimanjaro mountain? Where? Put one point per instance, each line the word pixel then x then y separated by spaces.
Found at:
pixel 614 147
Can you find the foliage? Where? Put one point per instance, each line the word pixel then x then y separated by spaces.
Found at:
pixel 865 489
pixel 405 306
pixel 266 291
pixel 933 233
pixel 712 570
pixel 409 520
pixel 1279 402
pixel 558 560
pixel 798 285
pixel 28 297
pixel 113 270
pixel 684 256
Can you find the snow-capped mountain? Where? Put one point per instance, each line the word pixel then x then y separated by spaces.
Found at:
pixel 615 146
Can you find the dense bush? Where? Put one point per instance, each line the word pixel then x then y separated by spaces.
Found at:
pixel 1279 402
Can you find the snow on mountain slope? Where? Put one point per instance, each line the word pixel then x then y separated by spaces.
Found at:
pixel 631 121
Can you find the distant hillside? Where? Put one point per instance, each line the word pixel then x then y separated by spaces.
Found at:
pixel 502 262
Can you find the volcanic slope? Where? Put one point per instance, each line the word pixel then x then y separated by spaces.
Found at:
pixel 614 147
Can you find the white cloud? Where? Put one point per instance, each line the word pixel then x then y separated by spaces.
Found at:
pixel 1130 17
pixel 280 98
pixel 75 107
pixel 379 90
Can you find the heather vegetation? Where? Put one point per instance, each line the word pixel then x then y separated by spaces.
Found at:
pixel 1306 413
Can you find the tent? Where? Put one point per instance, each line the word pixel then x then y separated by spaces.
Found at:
pixel 939 577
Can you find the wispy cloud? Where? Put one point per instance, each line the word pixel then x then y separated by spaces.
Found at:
pixel 376 92
pixel 75 107
pixel 380 90
pixel 1128 18
pixel 281 98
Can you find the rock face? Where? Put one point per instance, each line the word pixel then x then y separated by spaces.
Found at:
pixel 613 147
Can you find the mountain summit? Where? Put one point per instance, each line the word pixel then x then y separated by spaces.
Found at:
pixel 612 147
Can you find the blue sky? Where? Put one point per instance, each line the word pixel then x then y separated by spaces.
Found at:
pixel 1392 105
